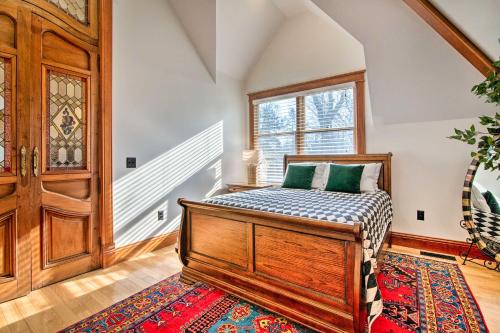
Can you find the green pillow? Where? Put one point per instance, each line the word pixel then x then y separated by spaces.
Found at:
pixel 344 178
pixel 299 176
pixel 492 202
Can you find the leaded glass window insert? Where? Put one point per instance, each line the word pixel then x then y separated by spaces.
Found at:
pixel 74 8
pixel 5 116
pixel 67 106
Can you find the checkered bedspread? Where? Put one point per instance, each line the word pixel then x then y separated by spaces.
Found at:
pixel 374 210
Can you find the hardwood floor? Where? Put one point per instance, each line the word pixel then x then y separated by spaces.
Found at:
pixel 57 306
pixel 54 307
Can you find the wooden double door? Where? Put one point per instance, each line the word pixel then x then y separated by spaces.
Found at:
pixel 49 216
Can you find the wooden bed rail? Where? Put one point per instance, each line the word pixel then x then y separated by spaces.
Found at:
pixel 267 218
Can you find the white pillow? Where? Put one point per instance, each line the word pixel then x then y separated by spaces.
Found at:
pixel 369 177
pixel 320 174
pixel 478 200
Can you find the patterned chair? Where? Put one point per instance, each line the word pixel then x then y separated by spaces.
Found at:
pixel 483 227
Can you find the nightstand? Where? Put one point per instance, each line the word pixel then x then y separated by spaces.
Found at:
pixel 240 187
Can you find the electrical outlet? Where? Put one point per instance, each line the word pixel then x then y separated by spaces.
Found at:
pixel 420 215
pixel 131 163
pixel 161 215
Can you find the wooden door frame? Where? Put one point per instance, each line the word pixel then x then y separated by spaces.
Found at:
pixel 106 162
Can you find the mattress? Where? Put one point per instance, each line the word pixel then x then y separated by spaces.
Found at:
pixel 373 209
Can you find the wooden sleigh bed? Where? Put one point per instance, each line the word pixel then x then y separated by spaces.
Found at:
pixel 307 270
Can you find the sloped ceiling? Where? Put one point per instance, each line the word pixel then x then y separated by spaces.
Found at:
pixel 413 74
pixel 229 35
pixel 244 28
pixel 291 8
pixel 198 20
pixel 307 46
pixel 478 20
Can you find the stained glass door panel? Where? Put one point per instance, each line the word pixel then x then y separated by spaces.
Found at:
pixel 66 121
pixel 5 114
pixel 8 182
pixel 74 8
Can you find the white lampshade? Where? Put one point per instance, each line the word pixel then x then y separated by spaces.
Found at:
pixel 252 156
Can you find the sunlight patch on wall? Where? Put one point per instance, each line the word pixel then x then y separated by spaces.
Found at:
pixel 216 170
pixel 139 195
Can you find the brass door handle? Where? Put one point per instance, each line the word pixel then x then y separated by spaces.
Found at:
pixel 36 166
pixel 23 161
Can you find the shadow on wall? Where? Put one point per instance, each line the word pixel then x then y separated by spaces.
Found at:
pixel 138 196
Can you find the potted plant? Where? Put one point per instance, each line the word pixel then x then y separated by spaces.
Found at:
pixel 488 142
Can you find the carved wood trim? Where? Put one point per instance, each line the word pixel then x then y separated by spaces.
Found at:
pixel 70 23
pixel 454 36
pixel 9 27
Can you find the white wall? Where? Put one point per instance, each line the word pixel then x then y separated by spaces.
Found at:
pixel 244 28
pixel 198 20
pixel 418 91
pixel 306 47
pixel 428 171
pixel 186 131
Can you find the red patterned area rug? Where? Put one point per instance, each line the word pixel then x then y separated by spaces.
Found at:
pixel 172 306
pixel 424 295
pixel 420 295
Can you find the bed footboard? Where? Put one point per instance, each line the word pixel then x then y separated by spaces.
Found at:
pixel 306 270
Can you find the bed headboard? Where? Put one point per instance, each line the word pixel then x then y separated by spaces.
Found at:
pixel 384 181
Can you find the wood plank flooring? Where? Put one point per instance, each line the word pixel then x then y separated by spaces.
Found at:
pixel 54 307
pixel 57 306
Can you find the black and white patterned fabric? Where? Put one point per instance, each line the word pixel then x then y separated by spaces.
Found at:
pixel 488 224
pixel 373 210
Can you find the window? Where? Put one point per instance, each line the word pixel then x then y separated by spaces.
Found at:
pixel 318 117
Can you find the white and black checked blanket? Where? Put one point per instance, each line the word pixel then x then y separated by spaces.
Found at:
pixel 374 210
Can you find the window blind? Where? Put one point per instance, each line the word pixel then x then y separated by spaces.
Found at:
pixel 313 122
